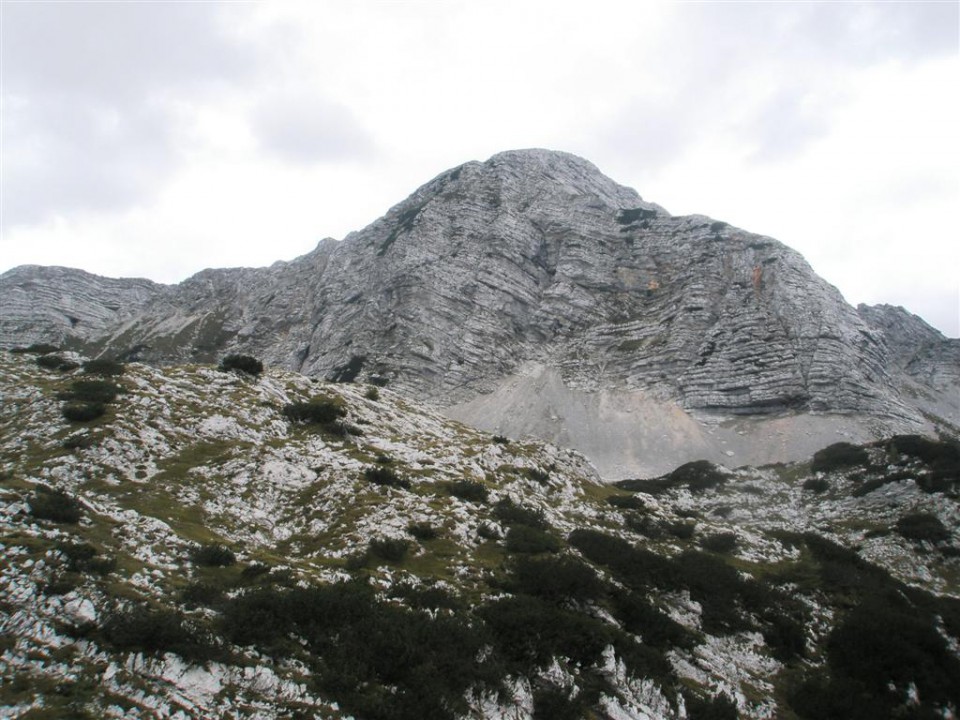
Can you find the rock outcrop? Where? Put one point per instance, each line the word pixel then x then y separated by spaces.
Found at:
pixel 530 259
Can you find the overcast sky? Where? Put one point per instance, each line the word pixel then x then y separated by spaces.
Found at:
pixel 155 139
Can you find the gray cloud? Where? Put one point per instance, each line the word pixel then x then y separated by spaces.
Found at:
pixel 85 86
pixel 715 51
pixel 305 128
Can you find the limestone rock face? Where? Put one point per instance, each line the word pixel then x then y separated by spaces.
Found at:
pixel 532 257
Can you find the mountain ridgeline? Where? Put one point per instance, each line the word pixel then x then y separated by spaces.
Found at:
pixel 532 294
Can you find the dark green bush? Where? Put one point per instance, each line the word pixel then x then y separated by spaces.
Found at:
pixel 639 617
pixel 82 411
pixel 389 549
pixel 636 568
pixel 509 513
pixel 212 555
pixel 201 594
pixel 242 363
pixel 91 391
pixel 36 349
pixel 426 598
pixel 722 543
pixel 77 441
pixel 105 367
pixel 321 411
pixel 423 531
pixel 385 476
pixel 526 539
pixel 555 579
pixel 381 661
pixel 537 475
pixel 816 485
pixel 697 475
pixel 501 439
pixel 924 527
pixel 554 703
pixel 488 532
pixel 529 632
pixel 837 456
pixel 884 642
pixel 469 490
pixel 681 530
pixel 83 557
pixel 54 505
pixel 157 631
pixel 56 362
pixel 372 393
pixel 626 502
pixel 719 707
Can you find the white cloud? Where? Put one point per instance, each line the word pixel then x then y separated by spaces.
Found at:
pixel 165 137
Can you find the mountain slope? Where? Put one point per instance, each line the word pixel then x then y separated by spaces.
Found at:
pixel 535 264
pixel 181 554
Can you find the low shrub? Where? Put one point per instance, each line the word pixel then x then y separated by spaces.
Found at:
pixel 105 367
pixel 320 410
pixel 242 363
pixel 537 475
pixel 501 439
pixel 82 411
pixel 488 532
pixel 922 527
pixel 509 513
pixel 77 441
pixel 529 632
pixel 36 349
pixel 639 617
pixel 469 490
pixel 386 476
pixel 554 579
pixel 54 505
pixel 626 502
pixel 212 555
pixel 83 557
pixel 681 530
pixel 423 531
pixel 816 485
pixel 389 549
pixel 380 660
pixel 526 539
pixel 697 475
pixel 719 707
pixel 91 391
pixel 426 597
pixel 722 543
pixel 201 594
pixel 555 703
pixel 56 362
pixel 837 456
pixel 372 393
pixel 636 568
pixel 157 631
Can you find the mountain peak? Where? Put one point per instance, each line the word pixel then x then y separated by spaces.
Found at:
pixel 530 293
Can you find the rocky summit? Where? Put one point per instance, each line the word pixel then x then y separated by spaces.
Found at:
pixel 530 294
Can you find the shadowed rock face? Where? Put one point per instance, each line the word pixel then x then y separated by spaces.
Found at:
pixel 530 257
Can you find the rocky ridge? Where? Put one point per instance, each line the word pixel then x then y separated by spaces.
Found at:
pixel 533 262
pixel 154 560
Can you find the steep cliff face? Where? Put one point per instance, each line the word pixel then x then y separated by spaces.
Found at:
pixel 533 259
